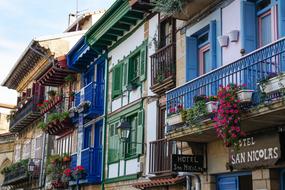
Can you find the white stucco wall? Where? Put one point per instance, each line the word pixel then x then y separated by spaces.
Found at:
pixel 118 54
pixel 231 21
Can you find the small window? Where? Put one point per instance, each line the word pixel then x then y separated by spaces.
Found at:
pixel 166 34
pixel 203 39
pixel 131 146
pixel 134 68
pixel 262 4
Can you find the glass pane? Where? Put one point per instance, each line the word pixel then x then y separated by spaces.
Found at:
pixel 207 61
pixel 266 33
pixel 262 4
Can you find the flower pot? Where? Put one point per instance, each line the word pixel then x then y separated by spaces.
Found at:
pixel 211 106
pixel 223 41
pixel 174 119
pixel 245 95
pixel 233 35
pixel 273 84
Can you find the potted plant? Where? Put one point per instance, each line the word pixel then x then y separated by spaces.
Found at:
pixel 66 157
pixel 55 159
pixel 273 82
pixel 67 175
pixel 72 112
pixel 244 95
pixel 51 94
pixel 212 104
pixel 176 115
pixel 69 78
pixel 79 172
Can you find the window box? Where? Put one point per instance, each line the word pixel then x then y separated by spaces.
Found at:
pixel 245 95
pixel 223 41
pixel 273 84
pixel 211 106
pixel 175 119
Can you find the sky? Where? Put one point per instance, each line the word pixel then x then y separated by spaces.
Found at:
pixel 23 20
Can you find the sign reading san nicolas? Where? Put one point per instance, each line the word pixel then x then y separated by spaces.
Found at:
pixel 256 151
pixel 187 163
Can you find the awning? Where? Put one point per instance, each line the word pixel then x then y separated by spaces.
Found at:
pixel 159 182
pixel 55 74
pixel 118 20
pixel 80 56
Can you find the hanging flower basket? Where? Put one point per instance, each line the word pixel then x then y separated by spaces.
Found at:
pixel 245 95
pixel 233 35
pixel 272 84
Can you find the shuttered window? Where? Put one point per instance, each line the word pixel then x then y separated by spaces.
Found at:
pixel 113 143
pixel 130 71
pixel 201 50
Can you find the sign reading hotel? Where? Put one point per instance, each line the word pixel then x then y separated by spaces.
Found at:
pixel 256 151
pixel 187 163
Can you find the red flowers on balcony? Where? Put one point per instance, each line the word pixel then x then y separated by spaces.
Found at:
pixel 47 105
pixel 228 115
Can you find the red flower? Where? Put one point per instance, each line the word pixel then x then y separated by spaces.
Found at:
pixel 46 101
pixel 67 172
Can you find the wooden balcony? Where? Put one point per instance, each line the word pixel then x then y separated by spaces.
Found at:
pixel 261 113
pixel 20 174
pixel 160 156
pixel 163 69
pixel 25 115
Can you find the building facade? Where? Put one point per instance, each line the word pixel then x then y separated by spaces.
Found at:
pixel 156 97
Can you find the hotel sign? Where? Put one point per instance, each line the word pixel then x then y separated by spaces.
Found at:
pixel 256 151
pixel 187 163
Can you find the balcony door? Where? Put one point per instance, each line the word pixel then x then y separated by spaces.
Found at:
pixel 88 76
pixel 96 165
pixel 161 123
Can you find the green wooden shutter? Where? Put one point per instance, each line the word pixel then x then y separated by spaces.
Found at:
pixel 143 63
pixel 117 81
pixel 125 74
pixel 140 132
pixel 111 144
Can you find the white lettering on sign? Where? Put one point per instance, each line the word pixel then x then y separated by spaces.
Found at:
pixel 255 155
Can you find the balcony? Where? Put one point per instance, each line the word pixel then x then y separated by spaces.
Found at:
pixel 163 69
pixel 91 160
pixel 249 70
pixel 19 174
pixel 25 115
pixel 91 99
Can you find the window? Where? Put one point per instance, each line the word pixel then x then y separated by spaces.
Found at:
pixel 166 32
pixel 134 68
pixel 267 22
pixel 26 152
pixel 17 155
pixel 87 141
pixel 133 146
pixel 38 147
pixel 64 144
pixel 130 71
pixel 201 51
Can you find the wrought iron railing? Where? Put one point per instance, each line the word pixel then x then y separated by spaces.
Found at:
pixel 163 64
pixel 248 70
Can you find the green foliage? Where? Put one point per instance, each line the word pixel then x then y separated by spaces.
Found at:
pixel 15 166
pixel 169 7
pixel 191 116
pixel 51 93
pixel 69 78
pixel 42 125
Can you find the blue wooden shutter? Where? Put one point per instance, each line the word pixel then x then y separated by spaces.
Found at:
pixel 248 26
pixel 213 43
pixel 228 183
pixel 191 58
pixel 281 16
pixel 140 132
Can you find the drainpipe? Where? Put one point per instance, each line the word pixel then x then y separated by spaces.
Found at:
pixel 197 180
pixel 105 120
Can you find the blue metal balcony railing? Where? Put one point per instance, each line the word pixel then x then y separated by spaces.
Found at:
pixel 73 162
pixel 94 93
pixel 91 159
pixel 248 70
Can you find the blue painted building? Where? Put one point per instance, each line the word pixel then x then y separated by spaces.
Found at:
pixel 88 108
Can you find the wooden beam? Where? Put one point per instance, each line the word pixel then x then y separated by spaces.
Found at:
pixel 134 15
pixel 122 26
pixel 109 37
pixel 8 106
pixel 115 32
